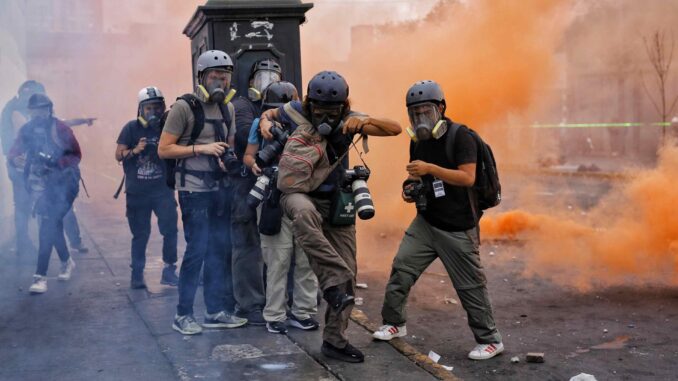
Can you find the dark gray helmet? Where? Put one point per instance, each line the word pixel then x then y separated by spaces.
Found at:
pixel 424 91
pixel 39 101
pixel 328 86
pixel 265 64
pixel 279 93
pixel 32 87
pixel 213 59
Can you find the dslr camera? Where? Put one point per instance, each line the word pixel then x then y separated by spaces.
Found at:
pixel 267 155
pixel 417 191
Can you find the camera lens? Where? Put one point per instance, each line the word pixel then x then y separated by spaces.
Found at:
pixel 363 199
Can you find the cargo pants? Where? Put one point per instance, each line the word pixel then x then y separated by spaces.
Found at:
pixel 331 250
pixel 458 251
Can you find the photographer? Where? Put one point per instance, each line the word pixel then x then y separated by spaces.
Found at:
pixel 277 241
pixel 439 184
pixel 311 176
pixel 248 265
pixel 196 132
pixel 146 187
pixel 48 154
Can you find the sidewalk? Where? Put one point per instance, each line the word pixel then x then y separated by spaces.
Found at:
pixel 96 328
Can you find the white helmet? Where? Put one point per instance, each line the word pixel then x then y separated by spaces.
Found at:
pixel 150 93
pixel 213 59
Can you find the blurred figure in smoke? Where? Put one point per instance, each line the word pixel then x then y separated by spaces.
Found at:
pixel 248 281
pixel 48 153
pixel 14 116
pixel 146 187
pixel 277 240
pixel 312 174
pixel 445 226
pixel 196 133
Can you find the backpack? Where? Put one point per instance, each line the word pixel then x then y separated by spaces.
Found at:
pixel 486 192
pixel 199 116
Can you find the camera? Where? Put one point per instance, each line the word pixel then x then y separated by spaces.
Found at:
pixel 356 179
pixel 267 155
pixel 230 161
pixel 262 187
pixel 417 190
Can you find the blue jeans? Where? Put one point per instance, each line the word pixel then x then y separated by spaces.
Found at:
pixel 139 210
pixel 207 222
pixel 22 207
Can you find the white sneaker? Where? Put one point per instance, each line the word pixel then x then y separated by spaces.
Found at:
pixel 39 285
pixel 66 270
pixel 388 332
pixel 485 351
pixel 186 325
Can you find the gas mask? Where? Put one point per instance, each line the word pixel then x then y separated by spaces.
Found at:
pixel 427 122
pixel 41 115
pixel 326 119
pixel 260 81
pixel 150 113
pixel 213 90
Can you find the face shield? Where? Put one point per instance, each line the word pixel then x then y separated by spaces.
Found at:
pixel 326 118
pixel 426 120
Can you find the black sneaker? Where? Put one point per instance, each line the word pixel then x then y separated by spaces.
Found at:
pixel 276 327
pixel 253 317
pixel 137 281
pixel 307 324
pixel 337 299
pixel 346 354
pixel 169 276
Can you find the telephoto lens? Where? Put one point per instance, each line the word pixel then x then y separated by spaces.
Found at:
pixel 259 191
pixel 364 205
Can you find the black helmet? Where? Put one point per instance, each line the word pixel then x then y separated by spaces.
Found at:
pixel 32 87
pixel 425 91
pixel 279 93
pixel 265 64
pixel 39 101
pixel 328 86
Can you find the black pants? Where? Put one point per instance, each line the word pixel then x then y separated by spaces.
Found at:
pixel 248 263
pixel 139 210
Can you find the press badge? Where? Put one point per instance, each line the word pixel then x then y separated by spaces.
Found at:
pixel 438 188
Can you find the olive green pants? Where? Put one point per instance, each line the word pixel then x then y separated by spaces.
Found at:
pixel 458 251
pixel 331 251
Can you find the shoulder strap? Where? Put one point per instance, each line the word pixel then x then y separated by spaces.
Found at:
pixel 449 152
pixel 226 116
pixel 295 115
pixel 198 115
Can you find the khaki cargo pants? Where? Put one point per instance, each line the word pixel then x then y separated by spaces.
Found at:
pixel 459 253
pixel 331 250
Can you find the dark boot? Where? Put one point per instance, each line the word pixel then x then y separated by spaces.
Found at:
pixel 337 299
pixel 347 354
pixel 137 281
pixel 169 275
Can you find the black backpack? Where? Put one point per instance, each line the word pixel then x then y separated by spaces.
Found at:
pixel 486 192
pixel 199 117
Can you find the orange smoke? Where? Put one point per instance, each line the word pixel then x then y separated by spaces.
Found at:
pixel 633 240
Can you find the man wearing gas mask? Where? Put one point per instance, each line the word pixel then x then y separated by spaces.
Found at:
pixel 277 241
pixel 48 153
pixel 439 184
pixel 198 134
pixel 14 115
pixel 248 281
pixel 146 187
pixel 313 173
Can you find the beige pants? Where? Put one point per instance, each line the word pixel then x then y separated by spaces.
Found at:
pixel 278 251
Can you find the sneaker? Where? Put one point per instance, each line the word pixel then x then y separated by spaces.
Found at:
pixel 346 354
pixel 486 351
pixel 39 285
pixel 169 275
pixel 186 325
pixel 276 327
pixel 223 320
pixel 387 332
pixel 80 248
pixel 307 324
pixel 66 270
pixel 337 299
pixel 137 281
